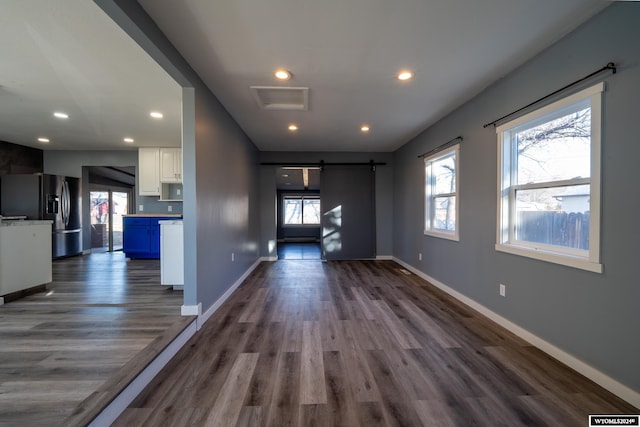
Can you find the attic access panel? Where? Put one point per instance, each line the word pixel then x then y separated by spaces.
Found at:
pixel 281 98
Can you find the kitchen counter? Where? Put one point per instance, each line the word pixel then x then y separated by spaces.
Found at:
pixel 25 255
pixel 177 215
pixel 21 222
pixel 170 222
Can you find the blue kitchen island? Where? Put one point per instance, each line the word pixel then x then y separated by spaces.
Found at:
pixel 141 234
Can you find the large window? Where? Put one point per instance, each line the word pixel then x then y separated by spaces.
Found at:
pixel 441 191
pixel 549 182
pixel 299 210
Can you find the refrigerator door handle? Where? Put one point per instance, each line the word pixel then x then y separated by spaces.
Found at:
pixel 65 203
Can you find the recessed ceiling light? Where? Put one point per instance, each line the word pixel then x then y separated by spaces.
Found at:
pixel 45 140
pixel 293 127
pixel 61 115
pixel 156 114
pixel 365 128
pixel 284 175
pixel 405 75
pixel 282 74
pixel 128 140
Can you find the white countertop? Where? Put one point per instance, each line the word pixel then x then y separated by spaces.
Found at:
pixel 170 222
pixel 22 222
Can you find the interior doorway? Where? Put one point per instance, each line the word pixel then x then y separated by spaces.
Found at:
pixel 298 213
pixel 107 209
pixel 326 212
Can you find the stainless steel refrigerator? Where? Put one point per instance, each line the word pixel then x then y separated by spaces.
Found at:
pixel 47 197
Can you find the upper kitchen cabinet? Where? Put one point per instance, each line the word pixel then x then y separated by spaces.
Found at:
pixel 171 165
pixel 149 171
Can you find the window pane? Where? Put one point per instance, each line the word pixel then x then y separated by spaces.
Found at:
pixel 120 208
pixel 292 211
pixel 554 216
pixel 444 217
pixel 555 150
pixel 311 211
pixel 444 175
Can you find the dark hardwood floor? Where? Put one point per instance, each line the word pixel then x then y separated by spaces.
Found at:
pixel 360 343
pixel 64 351
pixel 299 251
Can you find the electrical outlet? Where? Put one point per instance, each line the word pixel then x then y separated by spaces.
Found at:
pixel 503 290
pixel 420 256
pixel 233 257
pixel 178 191
pixel 140 208
pixel 170 208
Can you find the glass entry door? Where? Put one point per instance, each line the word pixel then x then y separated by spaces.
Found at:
pixel 107 209
pixel 120 204
pixel 99 221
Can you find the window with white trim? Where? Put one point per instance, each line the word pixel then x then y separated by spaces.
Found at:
pixel 301 210
pixel 549 182
pixel 441 194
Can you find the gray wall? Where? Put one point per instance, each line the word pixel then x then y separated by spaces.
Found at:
pixel 226 185
pixel 594 317
pixel 384 193
pixel 219 170
pixel 70 163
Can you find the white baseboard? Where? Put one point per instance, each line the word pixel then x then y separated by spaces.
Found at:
pixel 122 401
pixel 191 310
pixel 385 258
pixel 600 378
pixel 216 305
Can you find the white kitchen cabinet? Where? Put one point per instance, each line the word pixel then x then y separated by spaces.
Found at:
pixel 25 255
pixel 149 171
pixel 171 165
pixel 171 253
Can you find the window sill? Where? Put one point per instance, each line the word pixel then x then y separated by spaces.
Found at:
pixel 566 260
pixel 447 236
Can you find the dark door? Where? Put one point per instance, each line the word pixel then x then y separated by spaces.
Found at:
pixel 348 212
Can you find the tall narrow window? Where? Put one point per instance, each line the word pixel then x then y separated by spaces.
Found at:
pixel 441 190
pixel 549 182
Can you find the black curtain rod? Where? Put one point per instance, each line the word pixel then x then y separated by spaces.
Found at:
pixel 441 147
pixel 610 66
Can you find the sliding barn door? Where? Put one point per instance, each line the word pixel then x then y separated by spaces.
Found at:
pixel 348 212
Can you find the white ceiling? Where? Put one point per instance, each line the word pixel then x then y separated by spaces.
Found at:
pixel 68 55
pixel 347 52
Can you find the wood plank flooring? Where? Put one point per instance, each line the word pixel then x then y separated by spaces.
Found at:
pixel 299 251
pixel 304 343
pixel 64 351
